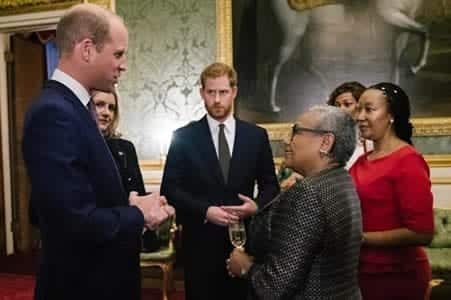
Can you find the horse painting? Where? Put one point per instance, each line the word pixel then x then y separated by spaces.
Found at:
pixel 293 21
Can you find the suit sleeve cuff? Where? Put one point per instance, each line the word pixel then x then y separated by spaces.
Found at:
pixel 205 214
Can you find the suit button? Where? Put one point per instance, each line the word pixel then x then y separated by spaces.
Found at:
pixel 129 179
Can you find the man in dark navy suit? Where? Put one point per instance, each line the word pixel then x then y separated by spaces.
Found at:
pixel 210 174
pixel 89 225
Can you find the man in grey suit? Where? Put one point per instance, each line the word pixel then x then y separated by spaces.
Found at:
pixel 212 164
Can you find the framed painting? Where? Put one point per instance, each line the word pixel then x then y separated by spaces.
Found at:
pixel 290 54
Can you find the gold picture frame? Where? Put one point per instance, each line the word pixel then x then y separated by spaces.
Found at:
pixel 277 131
pixel 9 8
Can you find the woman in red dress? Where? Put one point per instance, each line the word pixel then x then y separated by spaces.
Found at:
pixel 393 184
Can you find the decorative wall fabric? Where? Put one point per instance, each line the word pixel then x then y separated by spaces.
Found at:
pixel 170 42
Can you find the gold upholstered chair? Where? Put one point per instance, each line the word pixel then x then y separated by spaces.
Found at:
pixel 164 257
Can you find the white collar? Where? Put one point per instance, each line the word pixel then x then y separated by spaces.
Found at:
pixel 229 123
pixel 73 85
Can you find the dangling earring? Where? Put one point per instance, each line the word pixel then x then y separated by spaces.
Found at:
pixel 323 153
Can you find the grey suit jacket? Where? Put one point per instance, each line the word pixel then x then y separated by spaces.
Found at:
pixel 306 242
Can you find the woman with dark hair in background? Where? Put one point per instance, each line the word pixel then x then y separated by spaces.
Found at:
pixel 346 96
pixel 124 153
pixel 395 192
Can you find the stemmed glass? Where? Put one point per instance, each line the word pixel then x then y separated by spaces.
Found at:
pixel 237 234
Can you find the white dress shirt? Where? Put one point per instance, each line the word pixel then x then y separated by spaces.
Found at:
pixel 229 131
pixel 72 84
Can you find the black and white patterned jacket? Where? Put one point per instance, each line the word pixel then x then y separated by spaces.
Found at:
pixel 306 242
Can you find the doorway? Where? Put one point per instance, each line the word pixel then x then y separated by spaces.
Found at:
pixel 27 76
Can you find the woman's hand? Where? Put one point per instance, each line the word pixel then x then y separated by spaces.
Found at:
pixel 248 208
pixel 290 181
pixel 239 263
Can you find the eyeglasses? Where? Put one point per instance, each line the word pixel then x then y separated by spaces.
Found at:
pixel 296 129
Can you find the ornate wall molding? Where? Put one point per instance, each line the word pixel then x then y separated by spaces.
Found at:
pixel 432 126
pixel 441 180
pixel 224 47
pixel 8 8
pixel 277 131
pixel 438 160
pixel 40 15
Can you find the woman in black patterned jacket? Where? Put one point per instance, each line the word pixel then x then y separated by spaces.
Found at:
pixel 305 244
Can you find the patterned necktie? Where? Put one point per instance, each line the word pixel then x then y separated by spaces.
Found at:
pixel 223 153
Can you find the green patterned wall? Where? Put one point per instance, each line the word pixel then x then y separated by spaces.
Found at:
pixel 170 42
pixel 433 144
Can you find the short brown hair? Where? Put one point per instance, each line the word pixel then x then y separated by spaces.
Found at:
pixel 111 131
pixel 216 70
pixel 83 21
pixel 353 87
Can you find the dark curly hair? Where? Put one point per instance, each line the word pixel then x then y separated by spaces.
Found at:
pixel 399 108
pixel 353 87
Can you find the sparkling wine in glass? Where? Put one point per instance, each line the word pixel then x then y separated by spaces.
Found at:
pixel 237 234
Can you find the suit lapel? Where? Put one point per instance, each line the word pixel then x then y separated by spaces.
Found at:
pixel 73 99
pixel 208 151
pixel 88 120
pixel 239 147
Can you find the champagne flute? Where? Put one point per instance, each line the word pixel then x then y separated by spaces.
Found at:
pixel 237 234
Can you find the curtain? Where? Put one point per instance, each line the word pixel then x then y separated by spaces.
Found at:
pixel 51 55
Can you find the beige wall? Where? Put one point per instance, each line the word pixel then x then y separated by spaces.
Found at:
pixel 441 187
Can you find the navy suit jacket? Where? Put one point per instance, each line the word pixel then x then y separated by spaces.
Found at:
pixel 88 231
pixel 193 181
